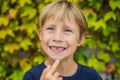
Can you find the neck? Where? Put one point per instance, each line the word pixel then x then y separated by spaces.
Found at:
pixel 67 67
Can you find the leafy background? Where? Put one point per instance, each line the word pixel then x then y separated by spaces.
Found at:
pixel 20 47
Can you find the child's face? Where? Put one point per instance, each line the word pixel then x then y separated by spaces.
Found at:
pixel 59 38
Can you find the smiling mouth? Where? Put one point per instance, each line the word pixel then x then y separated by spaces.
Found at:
pixel 57 49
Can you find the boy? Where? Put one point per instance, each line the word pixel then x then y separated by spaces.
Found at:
pixel 62 30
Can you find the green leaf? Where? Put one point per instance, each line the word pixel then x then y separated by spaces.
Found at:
pixel 2 69
pixel 4 34
pixel 4 54
pixel 95 3
pixel 103 45
pixel 13 13
pixel 114 4
pixel 25 43
pixel 14 25
pixel 25 65
pixel 90 42
pixel 11 47
pixel 32 27
pixel 92 17
pixel 5 6
pixel 99 24
pixel 80 59
pixel 104 56
pixel 13 1
pixel 28 11
pixel 40 7
pixel 109 15
pixel 47 1
pixel 10 32
pixel 17 74
pixel 38 59
pixel 94 63
pixel 4 21
pixel 115 46
pixel 23 2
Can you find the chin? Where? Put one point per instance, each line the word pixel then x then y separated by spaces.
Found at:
pixel 56 58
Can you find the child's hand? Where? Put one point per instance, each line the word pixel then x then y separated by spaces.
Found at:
pixel 50 73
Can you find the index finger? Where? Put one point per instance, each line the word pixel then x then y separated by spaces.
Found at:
pixel 54 66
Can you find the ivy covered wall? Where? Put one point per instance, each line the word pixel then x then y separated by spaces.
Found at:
pixel 20 46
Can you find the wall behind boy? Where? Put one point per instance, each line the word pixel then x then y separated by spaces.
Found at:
pixel 19 43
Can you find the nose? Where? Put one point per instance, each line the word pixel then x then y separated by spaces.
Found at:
pixel 58 37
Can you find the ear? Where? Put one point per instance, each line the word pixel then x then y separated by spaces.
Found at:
pixel 39 33
pixel 80 42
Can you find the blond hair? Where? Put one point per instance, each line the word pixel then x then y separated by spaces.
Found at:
pixel 64 9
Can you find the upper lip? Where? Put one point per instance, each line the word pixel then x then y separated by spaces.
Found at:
pixel 58 46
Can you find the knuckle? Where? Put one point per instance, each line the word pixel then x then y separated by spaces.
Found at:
pixel 47 77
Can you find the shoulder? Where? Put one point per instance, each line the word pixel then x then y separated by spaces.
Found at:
pixel 87 70
pixel 89 73
pixel 34 73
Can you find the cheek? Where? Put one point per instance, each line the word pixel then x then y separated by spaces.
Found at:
pixel 72 40
pixel 43 40
pixel 44 36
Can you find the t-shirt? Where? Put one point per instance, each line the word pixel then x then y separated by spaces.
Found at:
pixel 82 73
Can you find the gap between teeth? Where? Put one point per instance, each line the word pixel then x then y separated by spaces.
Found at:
pixel 57 48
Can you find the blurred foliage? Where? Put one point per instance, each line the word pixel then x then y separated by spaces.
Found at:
pixel 20 46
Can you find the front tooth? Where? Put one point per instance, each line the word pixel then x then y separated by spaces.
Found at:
pixel 57 48
pixel 60 49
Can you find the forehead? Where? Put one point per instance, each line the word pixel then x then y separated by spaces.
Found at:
pixel 66 21
pixel 65 18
